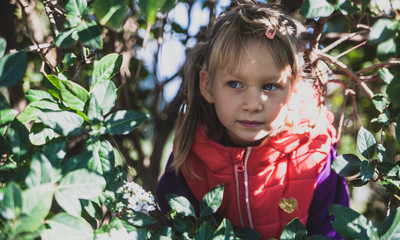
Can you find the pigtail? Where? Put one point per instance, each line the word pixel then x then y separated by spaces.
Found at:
pixel 190 113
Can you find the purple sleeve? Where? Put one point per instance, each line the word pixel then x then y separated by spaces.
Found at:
pixel 175 183
pixel 331 189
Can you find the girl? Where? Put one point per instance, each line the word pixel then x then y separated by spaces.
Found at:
pixel 254 121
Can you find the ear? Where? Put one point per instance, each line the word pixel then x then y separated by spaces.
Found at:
pixel 206 86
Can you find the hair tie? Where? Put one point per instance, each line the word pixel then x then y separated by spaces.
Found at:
pixel 269 33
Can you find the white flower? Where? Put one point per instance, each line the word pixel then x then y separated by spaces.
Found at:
pixel 138 199
pixel 115 234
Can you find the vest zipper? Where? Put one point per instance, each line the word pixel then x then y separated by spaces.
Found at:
pixel 242 189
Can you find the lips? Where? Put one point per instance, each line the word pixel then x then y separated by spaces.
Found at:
pixel 250 124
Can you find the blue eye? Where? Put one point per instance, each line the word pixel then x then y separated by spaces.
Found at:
pixel 269 87
pixel 235 84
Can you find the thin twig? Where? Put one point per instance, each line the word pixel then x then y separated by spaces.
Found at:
pixel 349 72
pixel 341 40
pixel 49 7
pixel 379 65
pixel 350 49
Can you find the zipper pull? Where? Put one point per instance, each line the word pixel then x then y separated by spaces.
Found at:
pixel 240 166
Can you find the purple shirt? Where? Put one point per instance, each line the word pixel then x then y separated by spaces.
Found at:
pixel 330 189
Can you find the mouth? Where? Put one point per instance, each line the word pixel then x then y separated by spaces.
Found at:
pixel 250 124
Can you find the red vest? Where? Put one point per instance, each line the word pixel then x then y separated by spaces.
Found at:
pixel 266 186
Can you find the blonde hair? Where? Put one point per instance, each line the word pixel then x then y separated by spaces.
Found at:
pixel 229 35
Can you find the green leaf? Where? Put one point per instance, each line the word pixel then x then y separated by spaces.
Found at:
pixel 316 8
pixel 294 230
pixel 391 226
pixel 181 205
pixel 78 184
pixel 63 122
pixel 41 171
pixel 6 117
pixel 381 153
pixel 12 68
pixel 11 203
pixel 380 102
pixel 3 45
pixel 393 90
pixel 386 75
pixel 110 13
pixel 73 94
pixel 95 114
pixel 349 223
pixel 90 34
pixel 388 48
pixel 3 102
pixel 106 68
pixel 367 170
pixel 123 121
pixel 366 143
pixel 397 129
pixel 347 165
pixel 64 226
pixel 40 134
pixel 69 59
pixel 103 159
pixel 224 231
pixel 67 38
pixel 36 108
pixel 19 139
pixel 75 7
pixel 205 231
pixel 346 7
pixel 211 201
pixel 36 203
pixel 389 169
pixel 140 219
pixel 382 30
pixel 104 95
pixel 36 95
pixel 82 184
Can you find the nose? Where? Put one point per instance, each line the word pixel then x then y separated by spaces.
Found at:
pixel 252 100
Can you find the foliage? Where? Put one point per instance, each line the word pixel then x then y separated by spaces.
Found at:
pixel 60 157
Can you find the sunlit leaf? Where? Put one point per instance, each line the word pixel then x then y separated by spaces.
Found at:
pixel 391 226
pixel 388 48
pixel 386 75
pixel 123 121
pixel 367 170
pixel 382 30
pixel 75 7
pixel 63 122
pixel 90 35
pixel 36 108
pixel 350 224
pixel 12 68
pixel 347 165
pixel 294 230
pixel 64 226
pixel 40 134
pixel 3 45
pixel 180 204
pixel 224 231
pixel 36 95
pixel 380 102
pixel 73 94
pixel 110 13
pixel 40 172
pixel 393 90
pixel 6 117
pixel 106 68
pixel 141 219
pixel 67 38
pixel 11 203
pixel 102 160
pixel 366 143
pixel 211 201
pixel 316 8
pixel 105 94
pixel 19 139
pixel 36 203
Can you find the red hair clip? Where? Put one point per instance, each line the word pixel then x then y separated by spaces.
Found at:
pixel 269 33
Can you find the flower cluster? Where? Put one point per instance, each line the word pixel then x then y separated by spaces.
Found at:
pixel 138 199
pixel 120 234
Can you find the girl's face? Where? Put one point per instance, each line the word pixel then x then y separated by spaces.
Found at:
pixel 250 101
